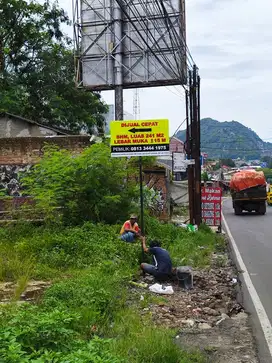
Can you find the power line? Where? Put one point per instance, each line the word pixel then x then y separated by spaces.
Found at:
pixel 234 149
pixel 179 127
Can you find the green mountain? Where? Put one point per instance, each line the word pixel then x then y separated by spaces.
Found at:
pixel 229 140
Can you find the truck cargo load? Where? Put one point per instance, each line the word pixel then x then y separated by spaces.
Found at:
pixel 247 179
pixel 248 191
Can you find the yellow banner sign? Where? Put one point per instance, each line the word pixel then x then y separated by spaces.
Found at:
pixel 139 138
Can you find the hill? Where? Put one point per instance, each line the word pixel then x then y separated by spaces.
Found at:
pixel 229 140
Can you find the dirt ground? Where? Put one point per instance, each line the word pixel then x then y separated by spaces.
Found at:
pixel 208 317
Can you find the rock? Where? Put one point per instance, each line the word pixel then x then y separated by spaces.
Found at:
pixel 224 316
pixel 197 311
pixel 204 326
pixel 222 310
pixel 210 311
pixel 219 322
pixel 240 316
pixel 189 322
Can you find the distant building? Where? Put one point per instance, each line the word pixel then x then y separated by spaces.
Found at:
pixel 110 116
pixel 176 145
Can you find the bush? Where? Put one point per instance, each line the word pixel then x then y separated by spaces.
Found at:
pixel 90 186
pixel 35 330
pixel 37 336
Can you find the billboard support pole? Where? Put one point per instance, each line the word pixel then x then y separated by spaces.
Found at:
pixel 141 197
pixel 118 62
pixel 119 102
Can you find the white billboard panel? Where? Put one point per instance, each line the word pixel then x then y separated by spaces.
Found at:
pixel 152 43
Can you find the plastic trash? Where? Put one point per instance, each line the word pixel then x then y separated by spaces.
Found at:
pixel 183 225
pixel 192 228
pixel 160 289
pixel 189 227
pixel 142 285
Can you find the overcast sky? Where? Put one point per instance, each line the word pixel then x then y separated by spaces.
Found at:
pixel 231 43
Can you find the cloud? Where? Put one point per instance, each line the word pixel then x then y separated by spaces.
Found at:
pixel 231 42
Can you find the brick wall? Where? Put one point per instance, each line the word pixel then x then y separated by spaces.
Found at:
pixel 28 150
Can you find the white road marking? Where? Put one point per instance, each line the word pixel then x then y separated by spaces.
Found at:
pixel 260 310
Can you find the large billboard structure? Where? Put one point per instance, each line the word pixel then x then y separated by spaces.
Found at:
pixel 130 43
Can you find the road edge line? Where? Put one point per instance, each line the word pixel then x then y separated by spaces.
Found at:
pixel 260 310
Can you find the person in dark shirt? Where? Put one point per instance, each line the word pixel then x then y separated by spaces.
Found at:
pixel 162 267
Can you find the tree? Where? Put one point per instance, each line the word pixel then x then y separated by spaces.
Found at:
pixel 205 176
pixel 37 70
pixel 227 162
pixel 26 29
pixel 268 161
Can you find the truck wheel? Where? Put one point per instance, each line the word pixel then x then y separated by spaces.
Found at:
pixel 262 209
pixel 237 210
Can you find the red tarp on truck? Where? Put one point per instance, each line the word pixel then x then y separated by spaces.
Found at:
pixel 247 179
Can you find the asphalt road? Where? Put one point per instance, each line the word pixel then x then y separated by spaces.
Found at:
pixel 253 236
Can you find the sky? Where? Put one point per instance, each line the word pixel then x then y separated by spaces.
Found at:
pixel 231 43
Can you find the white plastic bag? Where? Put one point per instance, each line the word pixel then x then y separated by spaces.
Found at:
pixel 159 289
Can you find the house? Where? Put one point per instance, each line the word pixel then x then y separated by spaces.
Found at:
pixel 176 145
pixel 16 126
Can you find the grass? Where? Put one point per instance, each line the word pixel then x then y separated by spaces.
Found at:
pixel 145 343
pixel 89 314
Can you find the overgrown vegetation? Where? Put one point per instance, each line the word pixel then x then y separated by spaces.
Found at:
pixel 86 315
pixel 90 314
pixel 90 186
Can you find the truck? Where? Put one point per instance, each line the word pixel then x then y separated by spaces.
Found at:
pixel 248 192
pixel 269 194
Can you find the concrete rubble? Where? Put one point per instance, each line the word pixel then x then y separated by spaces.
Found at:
pixel 208 317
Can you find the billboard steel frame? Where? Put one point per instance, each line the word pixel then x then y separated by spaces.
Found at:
pixel 120 43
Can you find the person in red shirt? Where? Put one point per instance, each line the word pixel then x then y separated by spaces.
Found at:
pixel 130 229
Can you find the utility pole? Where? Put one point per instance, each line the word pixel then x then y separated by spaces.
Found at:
pixel 193 132
pixel 190 170
pixel 197 156
pixel 118 68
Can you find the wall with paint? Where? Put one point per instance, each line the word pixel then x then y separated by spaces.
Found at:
pixel 9 179
pixel 18 127
pixel 157 180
